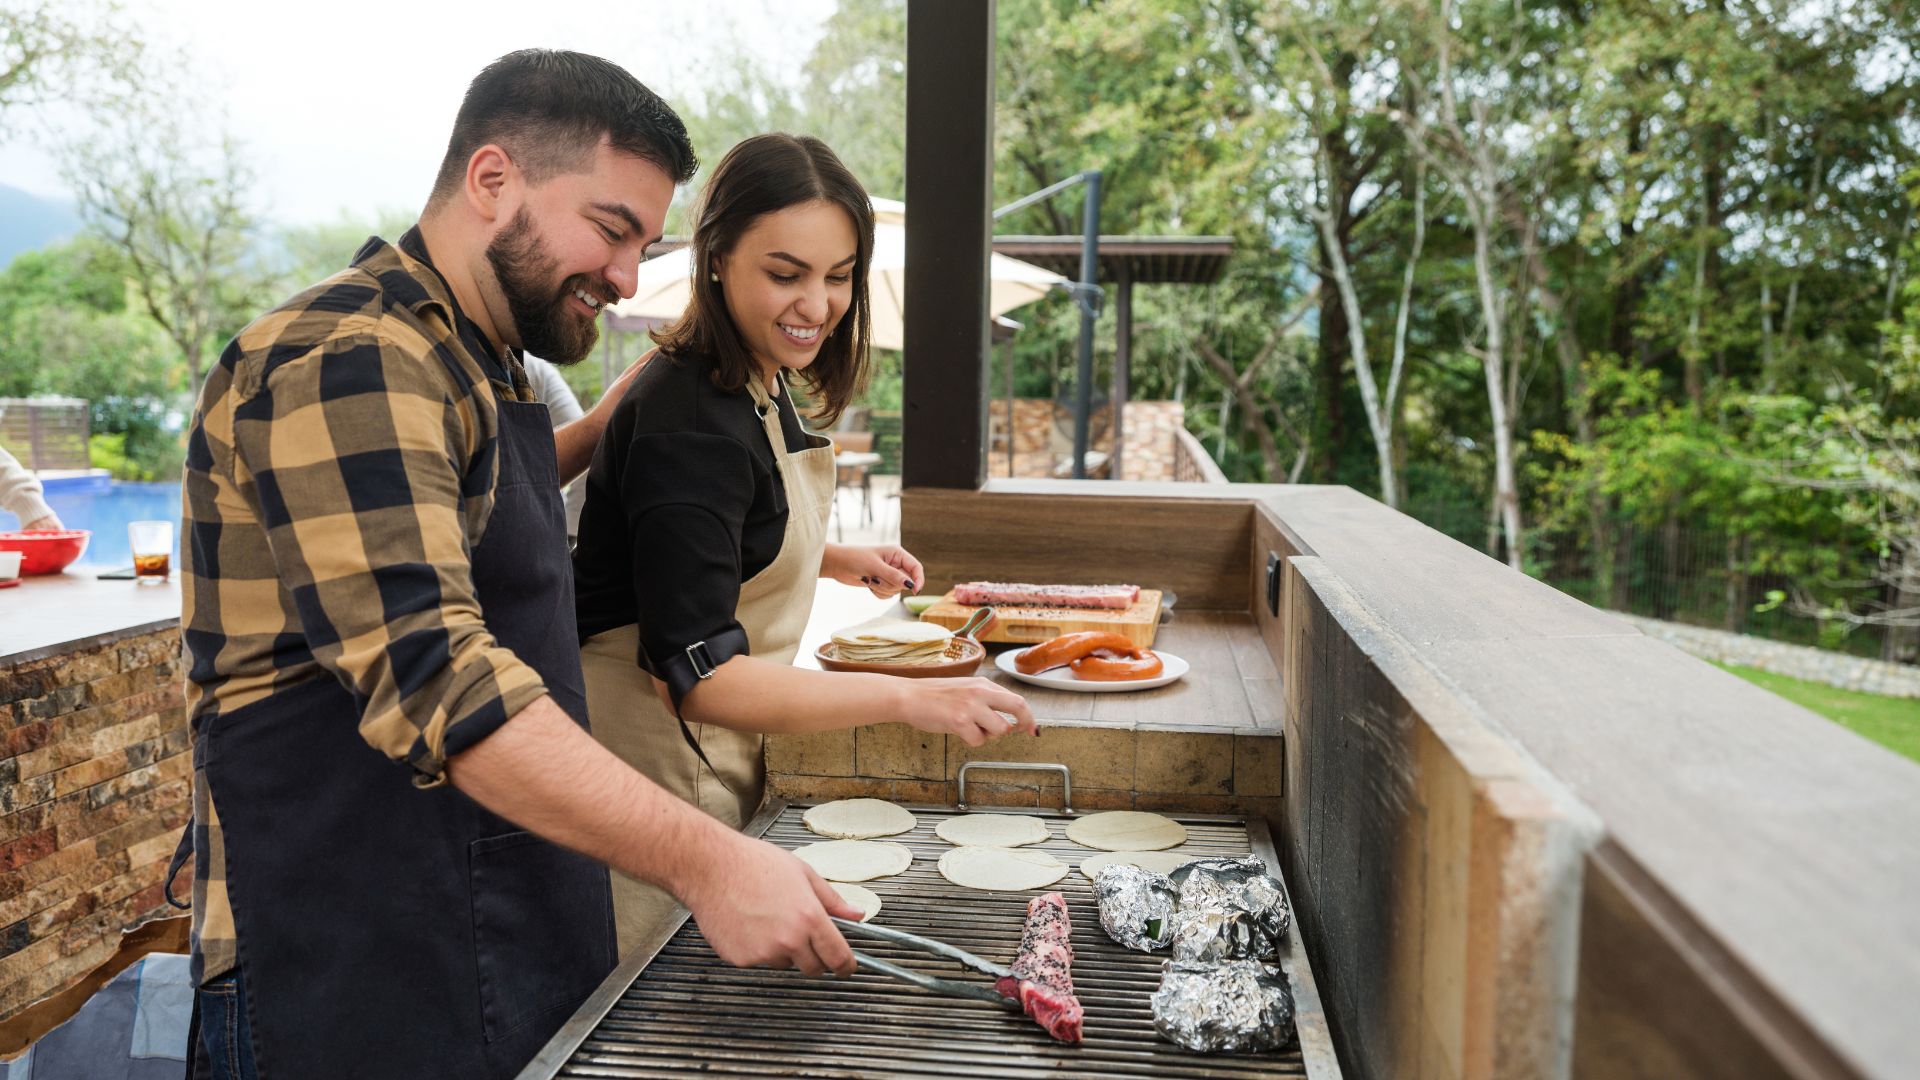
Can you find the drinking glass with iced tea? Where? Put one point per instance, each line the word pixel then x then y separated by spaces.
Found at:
pixel 152 543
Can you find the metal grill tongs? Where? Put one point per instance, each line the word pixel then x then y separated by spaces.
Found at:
pixel 949 987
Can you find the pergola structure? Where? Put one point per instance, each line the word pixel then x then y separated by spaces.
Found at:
pixel 1126 261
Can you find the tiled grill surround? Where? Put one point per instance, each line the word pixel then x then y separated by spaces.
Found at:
pixel 95 786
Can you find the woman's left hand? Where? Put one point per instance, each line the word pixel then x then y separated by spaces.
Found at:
pixel 885 569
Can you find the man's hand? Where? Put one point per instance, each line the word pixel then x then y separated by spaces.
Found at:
pixel 573 444
pixel 618 388
pixel 759 906
pixel 884 569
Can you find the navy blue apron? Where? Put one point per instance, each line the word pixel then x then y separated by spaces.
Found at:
pixel 386 931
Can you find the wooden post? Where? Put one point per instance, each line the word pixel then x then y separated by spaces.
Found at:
pixel 949 237
pixel 1122 366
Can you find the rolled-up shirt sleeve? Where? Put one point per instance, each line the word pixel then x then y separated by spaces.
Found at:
pixel 363 461
pixel 686 497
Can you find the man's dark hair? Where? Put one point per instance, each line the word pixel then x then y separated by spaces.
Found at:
pixel 549 109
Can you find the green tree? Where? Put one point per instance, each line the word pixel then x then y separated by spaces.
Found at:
pixel 66 329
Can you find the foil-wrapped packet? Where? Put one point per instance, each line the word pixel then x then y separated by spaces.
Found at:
pixel 1136 906
pixel 1215 935
pixel 1231 909
pixel 1239 1005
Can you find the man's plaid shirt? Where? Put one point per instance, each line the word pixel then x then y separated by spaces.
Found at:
pixel 339 471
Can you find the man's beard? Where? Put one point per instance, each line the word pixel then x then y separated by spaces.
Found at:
pixel 547 326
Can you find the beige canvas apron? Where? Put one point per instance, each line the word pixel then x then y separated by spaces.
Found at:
pixel 629 715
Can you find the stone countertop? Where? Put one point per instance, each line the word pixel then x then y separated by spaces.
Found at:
pixel 49 614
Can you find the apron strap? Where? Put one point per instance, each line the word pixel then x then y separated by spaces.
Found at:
pixel 180 852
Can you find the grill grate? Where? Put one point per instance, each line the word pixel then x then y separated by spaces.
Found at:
pixel 686 1012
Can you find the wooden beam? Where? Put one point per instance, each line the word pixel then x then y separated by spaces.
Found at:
pixel 949 230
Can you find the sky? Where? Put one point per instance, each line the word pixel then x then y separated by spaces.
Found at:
pixel 344 108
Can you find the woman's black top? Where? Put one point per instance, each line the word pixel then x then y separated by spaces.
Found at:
pixel 684 503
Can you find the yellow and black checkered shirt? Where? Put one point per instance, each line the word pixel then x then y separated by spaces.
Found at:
pixel 340 469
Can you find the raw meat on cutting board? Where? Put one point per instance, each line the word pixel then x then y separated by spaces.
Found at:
pixel 1117 597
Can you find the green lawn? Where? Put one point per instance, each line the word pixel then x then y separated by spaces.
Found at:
pixel 1890 721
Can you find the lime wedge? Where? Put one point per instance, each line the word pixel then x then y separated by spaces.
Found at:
pixel 919 604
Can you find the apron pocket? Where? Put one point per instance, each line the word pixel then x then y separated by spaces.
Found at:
pixel 535 954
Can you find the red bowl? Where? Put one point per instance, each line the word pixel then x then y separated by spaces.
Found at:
pixel 45 552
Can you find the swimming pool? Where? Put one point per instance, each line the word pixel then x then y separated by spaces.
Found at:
pixel 103 506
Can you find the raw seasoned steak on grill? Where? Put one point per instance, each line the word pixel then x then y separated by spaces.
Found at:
pixel 1042 979
pixel 1117 597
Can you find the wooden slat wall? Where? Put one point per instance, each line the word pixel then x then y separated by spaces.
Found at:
pixel 1195 548
pixel 45 435
pixel 1427 856
pixel 1658 998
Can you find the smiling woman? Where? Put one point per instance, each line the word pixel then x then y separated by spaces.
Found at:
pixel 704 531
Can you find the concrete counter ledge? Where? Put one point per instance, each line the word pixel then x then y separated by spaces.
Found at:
pixel 54 614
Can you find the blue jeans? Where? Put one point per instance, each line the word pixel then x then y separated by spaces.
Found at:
pixel 226 1042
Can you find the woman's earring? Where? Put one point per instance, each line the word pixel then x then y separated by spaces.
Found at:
pixel 711 276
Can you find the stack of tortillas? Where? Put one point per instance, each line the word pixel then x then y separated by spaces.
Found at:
pixel 892 641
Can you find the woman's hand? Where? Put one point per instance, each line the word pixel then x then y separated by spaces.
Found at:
pixel 884 569
pixel 975 709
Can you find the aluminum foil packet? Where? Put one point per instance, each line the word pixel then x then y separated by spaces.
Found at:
pixel 1136 906
pixel 1242 1005
pixel 1216 935
pixel 1231 909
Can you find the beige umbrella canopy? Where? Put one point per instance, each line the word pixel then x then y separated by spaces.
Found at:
pixel 666 282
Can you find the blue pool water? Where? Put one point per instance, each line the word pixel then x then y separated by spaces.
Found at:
pixel 103 507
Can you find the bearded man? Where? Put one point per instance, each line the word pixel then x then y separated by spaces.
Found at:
pixel 401 824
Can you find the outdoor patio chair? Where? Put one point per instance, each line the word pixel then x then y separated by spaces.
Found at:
pixel 854 460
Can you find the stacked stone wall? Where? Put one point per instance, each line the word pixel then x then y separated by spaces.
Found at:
pixel 95 786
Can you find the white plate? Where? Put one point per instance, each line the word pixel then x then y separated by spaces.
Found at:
pixel 1063 678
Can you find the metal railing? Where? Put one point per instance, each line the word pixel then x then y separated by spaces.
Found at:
pixel 1191 462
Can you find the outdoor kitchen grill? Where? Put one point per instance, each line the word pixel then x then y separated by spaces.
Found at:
pixel 676 1009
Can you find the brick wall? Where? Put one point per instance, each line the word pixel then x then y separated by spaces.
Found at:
pixel 95 786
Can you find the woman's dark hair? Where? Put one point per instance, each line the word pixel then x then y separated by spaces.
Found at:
pixel 760 176
pixel 549 109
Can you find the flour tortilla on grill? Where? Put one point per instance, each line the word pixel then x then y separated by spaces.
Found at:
pixel 859 896
pixel 855 860
pixel 998 869
pixel 1160 862
pixel 1127 830
pixel 992 830
pixel 857 819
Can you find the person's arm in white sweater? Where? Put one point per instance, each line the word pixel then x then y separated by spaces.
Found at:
pixel 22 496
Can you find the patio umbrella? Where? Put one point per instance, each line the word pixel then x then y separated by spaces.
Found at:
pixel 666 282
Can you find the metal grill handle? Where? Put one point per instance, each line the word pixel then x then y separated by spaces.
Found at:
pixel 1066 779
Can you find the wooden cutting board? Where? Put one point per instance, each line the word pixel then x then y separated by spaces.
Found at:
pixel 1031 624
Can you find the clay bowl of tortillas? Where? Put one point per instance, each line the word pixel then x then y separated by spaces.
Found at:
pixel 904 647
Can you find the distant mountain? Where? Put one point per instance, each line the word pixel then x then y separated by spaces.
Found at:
pixel 29 221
